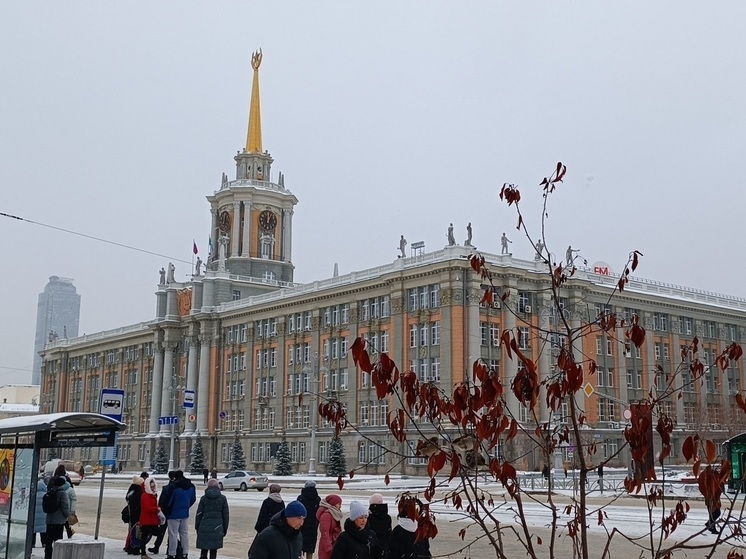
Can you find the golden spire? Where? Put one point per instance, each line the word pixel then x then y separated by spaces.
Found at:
pixel 254 135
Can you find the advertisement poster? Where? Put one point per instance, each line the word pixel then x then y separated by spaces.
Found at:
pixel 7 459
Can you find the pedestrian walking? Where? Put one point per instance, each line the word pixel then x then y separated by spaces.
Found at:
pixel 356 540
pixel 713 505
pixel 134 500
pixel 211 520
pixel 40 517
pixel 163 528
pixel 403 544
pixel 56 519
pixel 379 522
pixel 270 506
pixel 149 521
pixel 183 496
pixel 310 499
pixel 72 520
pixel 282 538
pixel 214 473
pixel 329 516
pixel 205 475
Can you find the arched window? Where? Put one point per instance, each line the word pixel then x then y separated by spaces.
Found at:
pixel 266 246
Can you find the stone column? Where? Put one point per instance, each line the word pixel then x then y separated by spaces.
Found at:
pixel 246 229
pixel 157 380
pixel 203 386
pixel 287 237
pixel 546 357
pixel 236 228
pixel 167 383
pixel 473 341
pixel 508 366
pixel 191 382
pixel 213 231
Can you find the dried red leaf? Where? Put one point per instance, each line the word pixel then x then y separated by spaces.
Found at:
pixel 711 451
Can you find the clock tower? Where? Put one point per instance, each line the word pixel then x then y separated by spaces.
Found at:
pixel 252 216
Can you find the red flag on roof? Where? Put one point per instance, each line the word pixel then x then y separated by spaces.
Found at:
pixel 194 249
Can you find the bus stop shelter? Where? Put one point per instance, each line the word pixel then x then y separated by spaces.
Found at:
pixel 21 442
pixel 735 451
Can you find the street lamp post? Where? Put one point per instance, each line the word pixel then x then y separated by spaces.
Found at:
pixel 174 388
pixel 314 416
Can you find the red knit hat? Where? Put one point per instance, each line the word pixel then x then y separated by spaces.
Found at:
pixel 334 500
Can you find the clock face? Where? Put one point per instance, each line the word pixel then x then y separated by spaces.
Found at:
pixel 267 221
pixel 224 222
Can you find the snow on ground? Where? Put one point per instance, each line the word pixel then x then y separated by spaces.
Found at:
pixel 628 514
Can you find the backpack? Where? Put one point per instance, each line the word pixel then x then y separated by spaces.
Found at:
pixel 49 502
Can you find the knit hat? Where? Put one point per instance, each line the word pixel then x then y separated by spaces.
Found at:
pixel 137 480
pixel 59 482
pixel 294 509
pixel 357 509
pixel 376 499
pixel 275 488
pixel 310 483
pixel 333 500
pixel 213 483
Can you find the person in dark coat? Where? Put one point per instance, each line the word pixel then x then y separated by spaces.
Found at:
pixel 282 538
pixel 134 500
pixel 310 499
pixel 271 506
pixel 56 520
pixel 205 475
pixel 211 520
pixel 163 529
pixel 402 540
pixel 356 540
pixel 379 522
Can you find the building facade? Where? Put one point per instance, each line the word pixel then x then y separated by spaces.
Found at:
pixel 260 352
pixel 57 316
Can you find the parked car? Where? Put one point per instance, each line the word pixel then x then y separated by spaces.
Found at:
pixel 51 466
pixel 74 477
pixel 241 480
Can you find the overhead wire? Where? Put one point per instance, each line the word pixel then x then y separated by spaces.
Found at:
pixel 93 237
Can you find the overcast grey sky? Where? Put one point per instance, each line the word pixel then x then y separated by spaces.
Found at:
pixel 387 118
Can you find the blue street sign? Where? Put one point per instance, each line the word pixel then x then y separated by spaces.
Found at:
pixel 168 420
pixel 108 455
pixel 188 399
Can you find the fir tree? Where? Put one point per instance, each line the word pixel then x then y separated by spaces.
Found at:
pixel 283 463
pixel 198 458
pixel 161 459
pixel 238 460
pixel 336 464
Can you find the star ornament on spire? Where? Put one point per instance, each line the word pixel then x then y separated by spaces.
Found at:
pixel 256 59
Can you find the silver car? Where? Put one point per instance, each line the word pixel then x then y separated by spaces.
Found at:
pixel 241 480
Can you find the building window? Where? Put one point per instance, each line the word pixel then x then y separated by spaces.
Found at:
pixel 266 244
pixel 660 321
pixel 524 302
pixel 524 342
